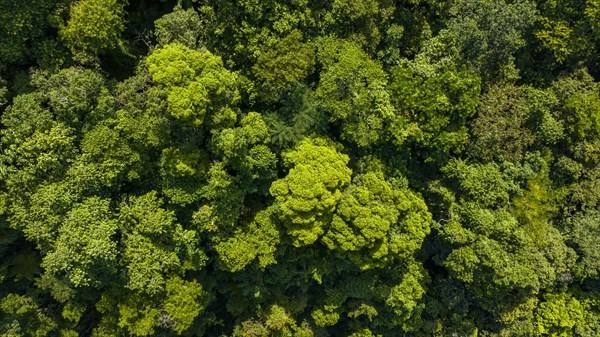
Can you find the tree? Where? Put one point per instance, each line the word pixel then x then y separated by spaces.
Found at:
pixel 360 22
pixel 558 314
pixel 500 131
pixel 308 195
pixel 28 34
pixel 155 246
pixel 352 88
pixel 3 92
pixel 242 30
pixel 436 109
pixel 25 317
pixel 180 26
pixel 583 228
pixel 78 97
pixel 185 300
pixel 483 36
pixel 377 222
pixel 198 85
pixel 288 63
pixel 274 322
pixel 579 107
pixel 93 26
pixel 499 254
pixel 256 240
pixel 245 150
pixel 568 30
pixel 155 254
pixel 299 116
pixel 84 252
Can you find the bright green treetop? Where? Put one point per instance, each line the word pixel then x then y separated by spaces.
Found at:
pixel 310 192
pixel 198 84
pixel 377 222
pixel 94 26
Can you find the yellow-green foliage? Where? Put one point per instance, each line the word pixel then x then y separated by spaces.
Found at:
pixel 184 302
pixel 308 195
pixel 84 252
pixel 377 223
pixel 558 314
pixel 276 322
pixel 155 245
pixel 258 240
pixel 94 25
pixel 26 317
pixel 299 168
pixel 139 317
pixel 197 83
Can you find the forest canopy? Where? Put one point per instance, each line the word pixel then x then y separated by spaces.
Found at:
pixel 302 168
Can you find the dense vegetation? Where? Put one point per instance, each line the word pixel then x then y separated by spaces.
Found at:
pixel 300 168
